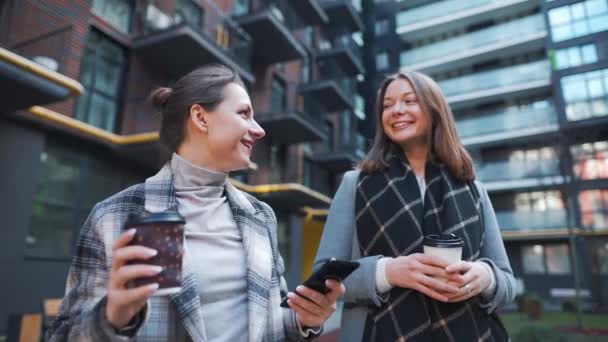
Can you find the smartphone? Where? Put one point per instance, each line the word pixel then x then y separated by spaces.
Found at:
pixel 331 269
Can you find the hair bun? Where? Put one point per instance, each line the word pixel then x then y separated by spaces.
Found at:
pixel 160 96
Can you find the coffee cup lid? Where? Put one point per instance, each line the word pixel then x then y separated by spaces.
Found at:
pixel 443 240
pixel 162 217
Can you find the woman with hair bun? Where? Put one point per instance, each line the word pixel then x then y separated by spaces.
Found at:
pixel 233 283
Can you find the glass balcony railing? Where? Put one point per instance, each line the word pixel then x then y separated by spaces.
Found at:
pixel 504 77
pixel 512 31
pixel 212 25
pixel 349 43
pixel 347 86
pixel 514 170
pixel 507 120
pixel 281 10
pixel 532 220
pixel 441 9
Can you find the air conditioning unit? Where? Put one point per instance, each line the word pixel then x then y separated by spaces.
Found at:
pixel 46 62
pixel 157 19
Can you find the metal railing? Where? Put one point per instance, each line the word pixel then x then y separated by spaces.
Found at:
pixel 47 45
pixel 347 41
pixel 514 170
pixel 281 10
pixel 440 9
pixel 216 27
pixel 516 30
pixel 519 220
pixel 503 77
pixel 506 120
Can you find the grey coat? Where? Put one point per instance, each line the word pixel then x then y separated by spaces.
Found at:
pixel 340 241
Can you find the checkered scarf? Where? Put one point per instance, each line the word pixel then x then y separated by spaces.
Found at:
pixel 392 220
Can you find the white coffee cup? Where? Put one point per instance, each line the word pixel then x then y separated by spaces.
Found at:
pixel 445 246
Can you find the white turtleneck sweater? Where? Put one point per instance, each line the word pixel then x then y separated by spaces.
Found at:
pixel 214 246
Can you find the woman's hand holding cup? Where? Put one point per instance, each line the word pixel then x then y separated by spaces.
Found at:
pixel 473 279
pixel 124 303
pixel 424 273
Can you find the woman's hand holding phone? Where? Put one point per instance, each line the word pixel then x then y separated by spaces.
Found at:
pixel 314 308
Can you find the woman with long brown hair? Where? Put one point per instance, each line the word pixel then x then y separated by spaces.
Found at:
pixel 417 181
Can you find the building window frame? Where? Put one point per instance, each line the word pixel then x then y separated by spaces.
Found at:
pixel 102 7
pixel 546 251
pixel 96 60
pixel 578 19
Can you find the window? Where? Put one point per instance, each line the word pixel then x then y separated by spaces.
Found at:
pixel 277 163
pixel 539 210
pixel 591 160
pixel 347 131
pixel 538 201
pixel 575 56
pixel 533 259
pixel 116 12
pixel 190 13
pixel 553 259
pixel 381 27
pixel 307 172
pixel 69 185
pixel 358 38
pixel 586 95
pixel 278 96
pixel 360 107
pixel 305 71
pixel 594 209
pixel 101 75
pixel 558 259
pixel 578 19
pixel 601 257
pixel 241 7
pixel 382 60
pixel 330 135
pixel 309 36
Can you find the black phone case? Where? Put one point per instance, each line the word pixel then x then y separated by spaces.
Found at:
pixel 331 269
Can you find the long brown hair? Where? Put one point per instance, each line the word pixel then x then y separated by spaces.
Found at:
pixel 444 144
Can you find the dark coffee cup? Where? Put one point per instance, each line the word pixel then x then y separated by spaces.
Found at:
pixel 163 232
pixel 445 246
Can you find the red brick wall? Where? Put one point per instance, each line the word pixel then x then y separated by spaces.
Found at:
pixel 63 24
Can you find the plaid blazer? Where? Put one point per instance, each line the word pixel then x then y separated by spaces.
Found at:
pixel 176 317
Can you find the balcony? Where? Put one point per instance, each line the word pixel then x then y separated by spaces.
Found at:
pixel 310 12
pixel 285 196
pixel 298 124
pixel 342 58
pixel 513 38
pixel 524 79
pixel 513 175
pixel 213 39
pixel 334 95
pixel 269 23
pixel 530 221
pixel 344 155
pixel 449 15
pixel 344 15
pixel 32 61
pixel 509 124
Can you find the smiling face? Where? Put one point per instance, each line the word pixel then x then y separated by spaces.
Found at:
pixel 231 131
pixel 403 118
